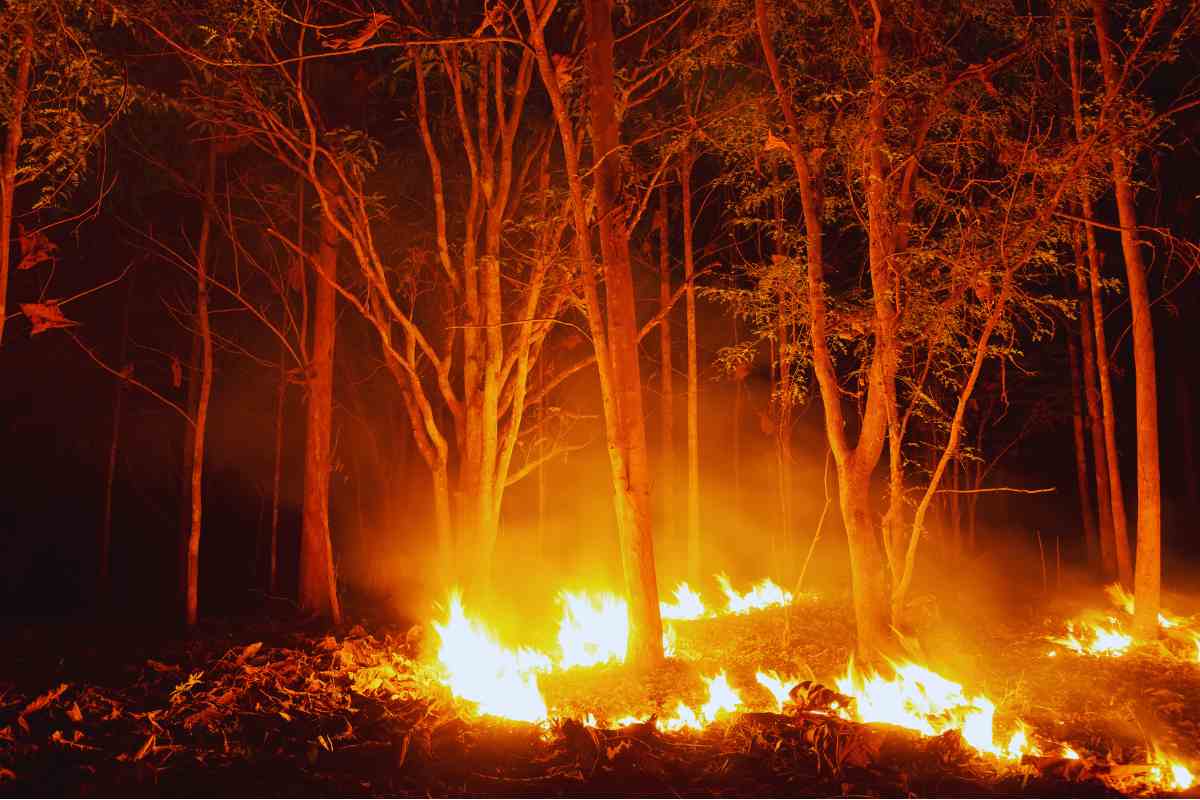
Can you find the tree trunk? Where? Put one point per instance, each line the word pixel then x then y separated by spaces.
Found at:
pixel 276 477
pixel 105 555
pixel 1147 579
pixel 694 559
pixel 8 164
pixel 666 370
pixel 318 582
pixel 1087 337
pixel 628 441
pixel 192 574
pixel 866 563
pixel 1114 554
pixel 1090 540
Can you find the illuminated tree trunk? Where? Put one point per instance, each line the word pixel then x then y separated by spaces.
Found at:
pixel 854 463
pixel 694 559
pixel 666 369
pixel 1095 422
pixel 1114 553
pixel 192 572
pixel 318 581
pixel 620 388
pixel 1091 543
pixel 1148 575
pixel 627 440
pixel 8 163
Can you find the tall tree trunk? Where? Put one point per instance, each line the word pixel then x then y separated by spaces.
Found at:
pixel 8 162
pixel 192 574
pixel 694 559
pixel 1086 511
pixel 318 581
pixel 617 365
pixel 666 370
pixel 1147 579
pixel 277 476
pixel 105 555
pixel 627 442
pixel 1114 554
pixel 1087 338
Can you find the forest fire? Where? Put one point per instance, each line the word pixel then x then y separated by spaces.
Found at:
pixel 1110 633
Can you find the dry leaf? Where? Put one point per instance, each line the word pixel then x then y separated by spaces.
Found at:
pixel 45 316
pixel 774 143
pixel 35 248
pixel 249 651
pixel 145 748
pixel 74 713
pixel 176 372
pixel 373 24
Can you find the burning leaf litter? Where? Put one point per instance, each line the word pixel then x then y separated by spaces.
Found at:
pixel 1109 633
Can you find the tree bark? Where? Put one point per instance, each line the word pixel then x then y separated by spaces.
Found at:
pixel 1086 512
pixel 1114 554
pixel 8 163
pixel 1087 337
pixel 1148 576
pixel 628 440
pixel 192 573
pixel 666 369
pixel 318 581
pixel 694 559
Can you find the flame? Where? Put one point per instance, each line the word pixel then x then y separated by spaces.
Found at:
pixel 1171 775
pixel 687 605
pixel 594 629
pixel 764 594
pixel 780 688
pixel 501 681
pixel 922 700
pixel 1096 639
pixel 1069 753
pixel 722 698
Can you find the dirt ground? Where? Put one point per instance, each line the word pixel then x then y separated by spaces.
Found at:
pixel 272 710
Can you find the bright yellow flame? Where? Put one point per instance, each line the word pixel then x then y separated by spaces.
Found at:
pixel 1069 752
pixel 780 688
pixel 1181 777
pixel 764 594
pixel 1096 639
pixel 721 697
pixel 922 700
pixel 501 681
pixel 594 629
pixel 687 605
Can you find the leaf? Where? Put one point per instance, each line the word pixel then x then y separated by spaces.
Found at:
pixel 176 372
pixel 373 24
pixel 44 700
pixel 35 248
pixel 45 316
pixel 74 713
pixel 249 651
pixel 774 143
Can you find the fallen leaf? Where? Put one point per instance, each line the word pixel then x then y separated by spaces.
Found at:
pixel 45 316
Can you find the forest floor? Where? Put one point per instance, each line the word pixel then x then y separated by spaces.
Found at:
pixel 258 710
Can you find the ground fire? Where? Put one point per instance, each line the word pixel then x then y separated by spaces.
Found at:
pixel 588 398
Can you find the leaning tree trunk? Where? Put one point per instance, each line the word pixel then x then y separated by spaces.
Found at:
pixel 192 571
pixel 1148 576
pixel 693 376
pixel 318 582
pixel 8 163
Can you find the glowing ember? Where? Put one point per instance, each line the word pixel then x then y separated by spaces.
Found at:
pixel 1069 753
pixel 764 594
pixel 687 605
pixel 502 682
pixel 779 688
pixel 594 629
pixel 919 699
